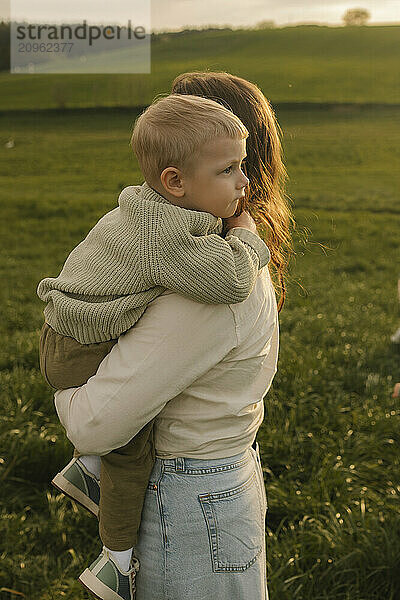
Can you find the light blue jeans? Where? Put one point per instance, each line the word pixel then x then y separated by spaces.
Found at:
pixel 202 532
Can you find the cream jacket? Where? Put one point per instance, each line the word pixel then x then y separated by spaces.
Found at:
pixel 201 369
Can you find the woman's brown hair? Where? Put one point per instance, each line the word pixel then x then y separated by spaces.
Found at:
pixel 265 199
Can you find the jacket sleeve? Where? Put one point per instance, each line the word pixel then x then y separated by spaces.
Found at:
pixel 174 343
pixel 208 268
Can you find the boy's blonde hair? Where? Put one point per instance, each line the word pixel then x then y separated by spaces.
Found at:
pixel 173 129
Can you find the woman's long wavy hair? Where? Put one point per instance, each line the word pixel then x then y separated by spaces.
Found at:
pixel 265 199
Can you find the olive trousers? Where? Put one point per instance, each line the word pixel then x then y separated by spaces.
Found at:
pixel 124 472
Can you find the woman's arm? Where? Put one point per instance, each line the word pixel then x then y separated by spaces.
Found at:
pixel 175 341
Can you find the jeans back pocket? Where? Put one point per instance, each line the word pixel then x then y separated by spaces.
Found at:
pixel 235 523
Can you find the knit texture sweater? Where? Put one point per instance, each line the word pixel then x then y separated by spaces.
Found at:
pixel 136 251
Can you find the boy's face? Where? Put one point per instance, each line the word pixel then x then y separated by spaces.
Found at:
pixel 217 182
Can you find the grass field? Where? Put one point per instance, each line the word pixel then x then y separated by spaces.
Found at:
pixel 330 439
pixel 290 64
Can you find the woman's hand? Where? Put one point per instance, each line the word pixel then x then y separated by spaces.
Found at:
pixel 243 220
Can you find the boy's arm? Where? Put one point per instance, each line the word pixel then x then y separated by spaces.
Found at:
pixel 208 268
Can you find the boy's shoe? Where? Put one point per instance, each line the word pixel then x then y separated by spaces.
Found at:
pixel 79 484
pixel 107 581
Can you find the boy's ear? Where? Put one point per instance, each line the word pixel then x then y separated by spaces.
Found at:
pixel 172 181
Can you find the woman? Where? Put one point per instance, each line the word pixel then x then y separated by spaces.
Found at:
pixel 203 522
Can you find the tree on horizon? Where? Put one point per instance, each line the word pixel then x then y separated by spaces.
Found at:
pixel 356 16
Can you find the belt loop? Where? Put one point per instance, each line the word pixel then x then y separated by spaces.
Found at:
pixel 179 464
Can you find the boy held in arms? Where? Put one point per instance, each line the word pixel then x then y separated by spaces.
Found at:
pixel 164 234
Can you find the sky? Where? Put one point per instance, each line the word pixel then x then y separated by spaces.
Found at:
pixel 177 14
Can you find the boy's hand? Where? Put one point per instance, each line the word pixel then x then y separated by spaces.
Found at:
pixel 243 220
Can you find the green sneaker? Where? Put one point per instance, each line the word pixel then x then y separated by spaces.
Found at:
pixel 79 484
pixel 107 581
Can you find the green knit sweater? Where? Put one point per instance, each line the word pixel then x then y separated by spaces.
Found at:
pixel 136 251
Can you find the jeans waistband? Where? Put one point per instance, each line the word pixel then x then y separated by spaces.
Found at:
pixel 182 463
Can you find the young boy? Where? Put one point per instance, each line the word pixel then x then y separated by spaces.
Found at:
pixel 165 233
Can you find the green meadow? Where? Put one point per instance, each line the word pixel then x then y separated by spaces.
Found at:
pixel 329 442
pixel 290 64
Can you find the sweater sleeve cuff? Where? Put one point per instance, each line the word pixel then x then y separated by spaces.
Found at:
pixel 253 240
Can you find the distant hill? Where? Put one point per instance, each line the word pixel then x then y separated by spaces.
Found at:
pixel 305 63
